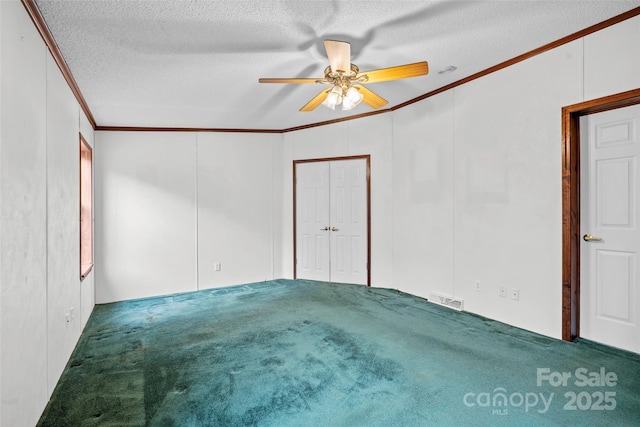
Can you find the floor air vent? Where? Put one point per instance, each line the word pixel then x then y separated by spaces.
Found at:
pixel 450 302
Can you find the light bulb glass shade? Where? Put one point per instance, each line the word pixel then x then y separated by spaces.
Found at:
pixel 352 98
pixel 327 103
pixel 333 98
pixel 337 90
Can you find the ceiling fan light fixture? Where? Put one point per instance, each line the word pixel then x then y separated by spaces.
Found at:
pixel 345 80
pixel 352 98
pixel 333 98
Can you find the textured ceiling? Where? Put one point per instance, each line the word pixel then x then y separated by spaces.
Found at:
pixel 196 63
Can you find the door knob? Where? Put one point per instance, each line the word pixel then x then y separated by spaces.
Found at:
pixel 590 238
pixel 334 229
pixel 325 228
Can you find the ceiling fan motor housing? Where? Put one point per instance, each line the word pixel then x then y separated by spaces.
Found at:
pixel 343 79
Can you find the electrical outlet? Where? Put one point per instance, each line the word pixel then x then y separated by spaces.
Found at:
pixel 217 266
pixel 478 285
pixel 502 291
pixel 515 294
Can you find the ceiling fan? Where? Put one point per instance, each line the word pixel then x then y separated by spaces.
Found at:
pixel 346 79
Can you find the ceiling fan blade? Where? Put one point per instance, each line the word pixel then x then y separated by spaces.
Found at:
pixel 292 80
pixel 395 73
pixel 317 100
pixel 339 54
pixel 372 99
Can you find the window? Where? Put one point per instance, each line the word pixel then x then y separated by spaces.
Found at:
pixel 86 226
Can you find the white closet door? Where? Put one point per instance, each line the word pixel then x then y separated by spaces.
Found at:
pixel 610 289
pixel 348 219
pixel 331 221
pixel 312 220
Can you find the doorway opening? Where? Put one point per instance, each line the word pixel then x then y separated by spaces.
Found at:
pixel 332 219
pixel 571 202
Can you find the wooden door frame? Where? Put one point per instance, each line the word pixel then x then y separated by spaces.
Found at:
pixel 367 157
pixel 571 201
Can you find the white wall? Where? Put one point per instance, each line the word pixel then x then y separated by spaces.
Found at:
pixel 498 140
pixel 612 59
pixel 169 205
pixel 423 196
pixel 507 188
pixel 39 219
pixel 63 232
pixel 23 217
pixel 1 181
pixel 145 214
pixel 235 208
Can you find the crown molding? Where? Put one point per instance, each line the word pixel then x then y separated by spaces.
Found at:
pixel 182 129
pixel 41 26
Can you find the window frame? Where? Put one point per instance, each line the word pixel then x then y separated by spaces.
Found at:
pixel 85 214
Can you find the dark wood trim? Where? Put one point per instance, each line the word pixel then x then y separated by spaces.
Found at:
pixel 571 202
pixel 549 46
pixel 368 220
pixel 367 157
pixel 178 129
pixel 570 226
pixel 232 130
pixel 331 159
pixel 330 122
pixel 41 26
pixel 295 222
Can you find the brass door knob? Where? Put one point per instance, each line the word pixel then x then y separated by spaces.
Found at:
pixel 590 238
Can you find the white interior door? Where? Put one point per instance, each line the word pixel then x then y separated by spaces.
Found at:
pixel 331 221
pixel 609 287
pixel 312 221
pixel 348 217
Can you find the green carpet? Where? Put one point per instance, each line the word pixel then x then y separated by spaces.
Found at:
pixel 299 353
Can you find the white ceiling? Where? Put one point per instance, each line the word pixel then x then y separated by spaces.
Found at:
pixel 196 63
